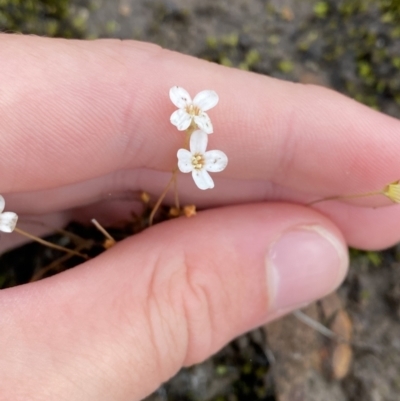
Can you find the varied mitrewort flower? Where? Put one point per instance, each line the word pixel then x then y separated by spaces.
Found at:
pixel 192 110
pixel 8 220
pixel 199 162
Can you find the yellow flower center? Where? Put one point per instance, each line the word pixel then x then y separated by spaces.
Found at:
pixel 193 110
pixel 197 161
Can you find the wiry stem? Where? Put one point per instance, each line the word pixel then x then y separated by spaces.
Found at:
pixel 49 244
pixel 337 197
pixel 38 275
pixel 176 194
pixel 162 196
pixel 173 180
pixel 72 236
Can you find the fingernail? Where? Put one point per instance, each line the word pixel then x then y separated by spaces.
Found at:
pixel 304 264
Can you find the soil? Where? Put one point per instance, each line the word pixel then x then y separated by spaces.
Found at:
pixel 352 46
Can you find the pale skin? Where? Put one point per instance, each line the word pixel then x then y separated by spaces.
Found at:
pixel 80 120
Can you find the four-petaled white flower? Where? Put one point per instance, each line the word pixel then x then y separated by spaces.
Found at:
pixel 198 162
pixel 192 110
pixel 8 220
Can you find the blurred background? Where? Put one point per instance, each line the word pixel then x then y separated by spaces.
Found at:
pixel 352 46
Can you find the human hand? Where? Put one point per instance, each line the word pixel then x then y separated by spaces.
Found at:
pixel 80 120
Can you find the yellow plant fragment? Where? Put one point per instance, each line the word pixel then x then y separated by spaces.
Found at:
pixel 174 212
pixel 189 210
pixel 145 197
pixel 392 191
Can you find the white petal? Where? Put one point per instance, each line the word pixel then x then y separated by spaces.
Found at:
pixel 206 100
pixel 2 203
pixel 179 97
pixel 181 119
pixel 185 161
pixel 204 123
pixel 202 179
pixel 8 221
pixel 198 142
pixel 215 160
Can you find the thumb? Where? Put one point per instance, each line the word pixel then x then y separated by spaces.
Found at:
pixel 119 325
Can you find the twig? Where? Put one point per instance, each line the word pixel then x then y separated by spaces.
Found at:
pixel 310 322
pixel 104 232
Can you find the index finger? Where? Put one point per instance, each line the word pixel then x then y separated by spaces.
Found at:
pixel 73 110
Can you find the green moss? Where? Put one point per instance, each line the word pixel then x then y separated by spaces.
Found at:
pixel 351 7
pixel 395 32
pixel 364 69
pixel 261 392
pixel 390 6
pixel 381 86
pixel 91 36
pixel 40 17
pixel 366 72
pixel 252 57
pixel 396 62
pixel 94 5
pixel 365 295
pixel 51 28
pixel 370 39
pixel 270 9
pixel 321 9
pixel 387 18
pixel 221 370
pixel 308 40
pixel 226 61
pixel 285 66
pixel 369 100
pixel 80 20
pixel 247 368
pixel 274 39
pixel 212 42
pixel 231 40
pixel 375 258
pixel 225 50
pixel 111 27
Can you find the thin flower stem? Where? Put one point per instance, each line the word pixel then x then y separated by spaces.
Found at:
pixel 162 196
pixel 49 244
pixel 72 236
pixel 173 180
pixel 345 197
pixel 38 275
pixel 189 132
pixel 187 138
pixel 177 205
pixel 103 231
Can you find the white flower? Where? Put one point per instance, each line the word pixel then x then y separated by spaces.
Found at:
pixel 8 220
pixel 198 161
pixel 189 110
